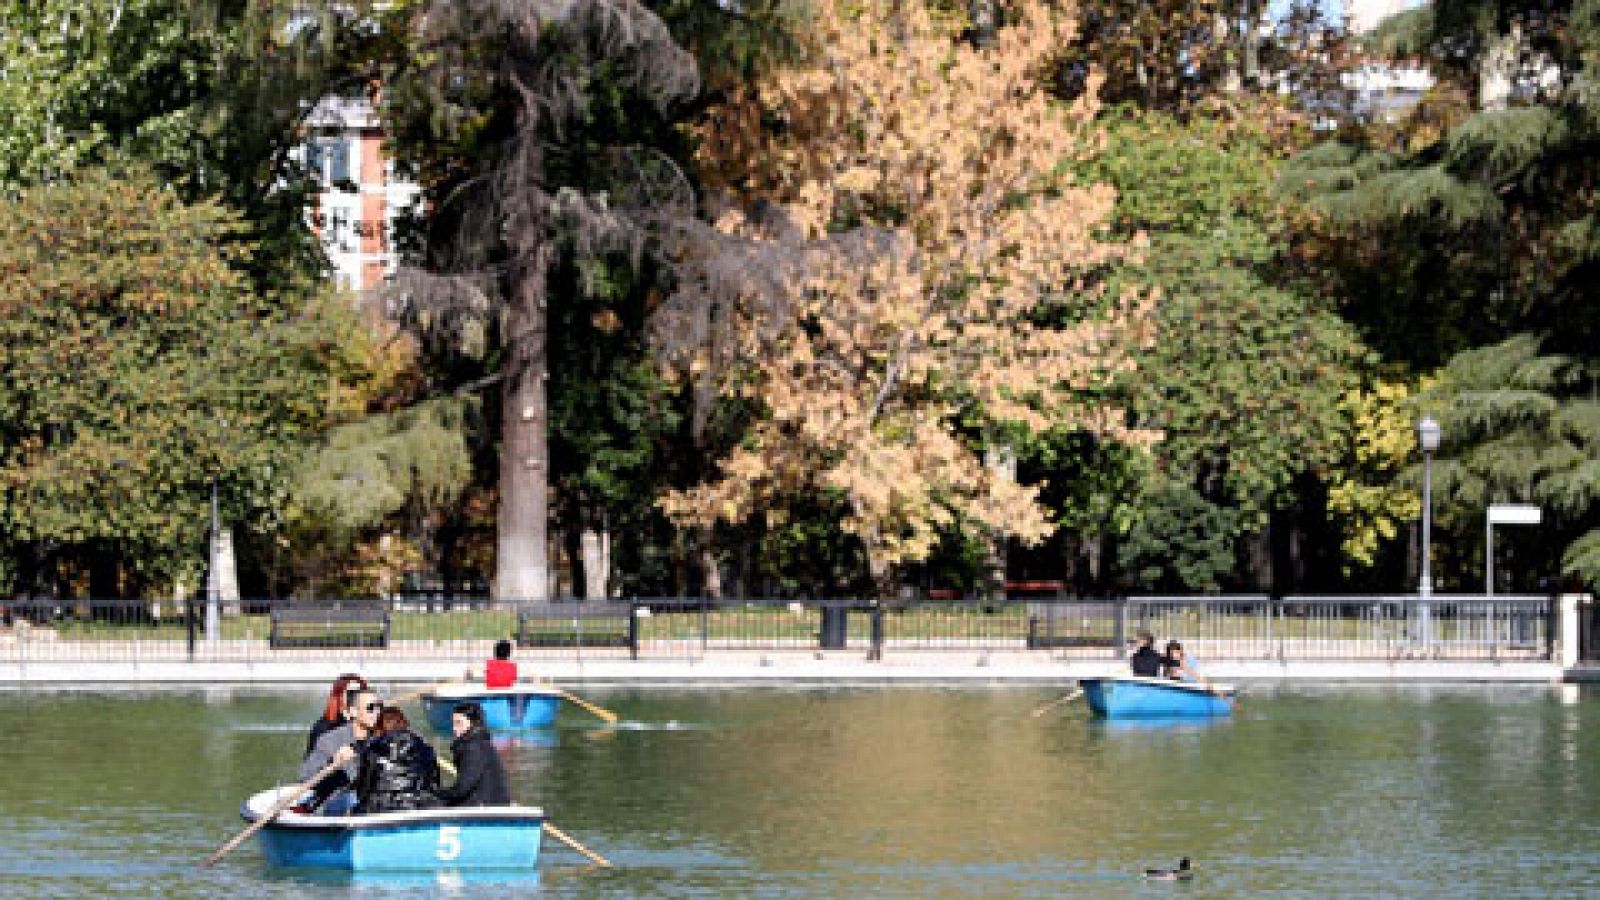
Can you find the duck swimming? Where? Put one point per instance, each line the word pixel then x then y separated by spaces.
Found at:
pixel 1181 873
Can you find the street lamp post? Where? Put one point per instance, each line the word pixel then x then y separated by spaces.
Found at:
pixel 213 577
pixel 1428 439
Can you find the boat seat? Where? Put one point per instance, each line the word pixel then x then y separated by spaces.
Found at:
pixel 330 626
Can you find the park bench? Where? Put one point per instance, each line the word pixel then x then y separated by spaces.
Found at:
pixel 1071 625
pixel 329 626
pixel 576 625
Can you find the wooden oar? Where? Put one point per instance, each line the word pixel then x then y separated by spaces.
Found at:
pixel 606 714
pixel 408 696
pixel 284 802
pixel 1057 702
pixel 561 836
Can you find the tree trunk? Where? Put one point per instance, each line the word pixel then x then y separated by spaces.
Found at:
pixel 707 559
pixel 595 546
pixel 522 563
pixel 1002 464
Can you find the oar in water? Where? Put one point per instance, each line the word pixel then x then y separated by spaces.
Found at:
pixel 562 836
pixel 284 802
pixel 606 714
pixel 408 696
pixel 1073 695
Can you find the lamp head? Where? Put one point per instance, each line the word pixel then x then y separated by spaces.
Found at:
pixel 1428 434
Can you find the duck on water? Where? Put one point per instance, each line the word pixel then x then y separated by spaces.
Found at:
pixel 1181 872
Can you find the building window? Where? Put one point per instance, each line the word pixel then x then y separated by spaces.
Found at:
pixel 333 161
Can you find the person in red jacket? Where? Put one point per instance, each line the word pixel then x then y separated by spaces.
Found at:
pixel 499 672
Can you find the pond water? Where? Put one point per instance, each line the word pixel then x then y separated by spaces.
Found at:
pixel 1399 790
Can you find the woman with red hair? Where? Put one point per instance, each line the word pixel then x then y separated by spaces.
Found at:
pixel 336 711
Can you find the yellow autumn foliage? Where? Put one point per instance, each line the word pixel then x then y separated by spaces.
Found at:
pixel 1364 495
pixel 921 186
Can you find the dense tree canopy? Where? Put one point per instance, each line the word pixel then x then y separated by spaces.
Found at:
pixel 139 366
pixel 813 295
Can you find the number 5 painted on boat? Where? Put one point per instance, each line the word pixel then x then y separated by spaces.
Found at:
pixel 449 842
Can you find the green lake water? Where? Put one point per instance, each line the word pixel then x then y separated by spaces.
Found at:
pixel 1396 790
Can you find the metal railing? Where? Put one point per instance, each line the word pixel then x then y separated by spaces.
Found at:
pixel 1234 627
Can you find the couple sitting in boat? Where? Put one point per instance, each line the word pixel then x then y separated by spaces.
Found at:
pixel 384 766
pixel 1173 664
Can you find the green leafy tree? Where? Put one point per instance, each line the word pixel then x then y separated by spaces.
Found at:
pixel 137 368
pixel 1244 376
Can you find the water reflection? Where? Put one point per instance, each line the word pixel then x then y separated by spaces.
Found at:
pixel 528 737
pixel 441 882
pixel 1145 724
pixel 872 791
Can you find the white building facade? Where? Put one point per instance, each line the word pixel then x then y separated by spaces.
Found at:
pixel 360 197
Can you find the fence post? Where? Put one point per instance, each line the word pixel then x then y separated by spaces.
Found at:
pixel 633 632
pixel 188 608
pixel 875 651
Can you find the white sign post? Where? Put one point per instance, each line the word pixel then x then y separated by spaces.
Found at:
pixel 1503 514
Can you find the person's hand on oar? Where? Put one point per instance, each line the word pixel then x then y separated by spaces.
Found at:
pixel 284 802
pixel 1072 695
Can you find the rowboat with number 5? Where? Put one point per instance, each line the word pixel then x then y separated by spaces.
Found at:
pixel 514 708
pixel 499 838
pixel 1133 696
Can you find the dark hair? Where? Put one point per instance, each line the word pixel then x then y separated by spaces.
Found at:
pixel 502 649
pixel 1174 645
pixel 342 694
pixel 472 712
pixel 391 719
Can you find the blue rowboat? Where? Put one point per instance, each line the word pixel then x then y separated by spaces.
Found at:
pixel 1134 696
pixel 514 708
pixel 499 838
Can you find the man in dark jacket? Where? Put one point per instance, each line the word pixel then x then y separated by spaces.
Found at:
pixel 1145 660
pixel 480 777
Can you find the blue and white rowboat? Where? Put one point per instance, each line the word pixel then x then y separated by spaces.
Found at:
pixel 1134 696
pixel 515 708
pixel 499 838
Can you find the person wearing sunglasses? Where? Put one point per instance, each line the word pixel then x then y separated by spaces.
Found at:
pixel 332 794
pixel 336 711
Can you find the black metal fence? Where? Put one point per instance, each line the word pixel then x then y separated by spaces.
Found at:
pixel 1240 627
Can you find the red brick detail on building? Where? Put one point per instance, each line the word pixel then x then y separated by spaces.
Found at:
pixel 373 224
pixel 372 162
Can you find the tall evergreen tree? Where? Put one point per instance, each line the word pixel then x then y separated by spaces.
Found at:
pixel 1467 235
pixel 488 98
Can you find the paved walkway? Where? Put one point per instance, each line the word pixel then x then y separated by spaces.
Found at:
pixel 749 667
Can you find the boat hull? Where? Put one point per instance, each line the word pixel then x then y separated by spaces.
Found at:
pixel 1148 698
pixel 465 838
pixel 504 709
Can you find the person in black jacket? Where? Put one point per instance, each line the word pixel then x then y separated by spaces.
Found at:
pixel 1145 660
pixel 397 771
pixel 480 778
